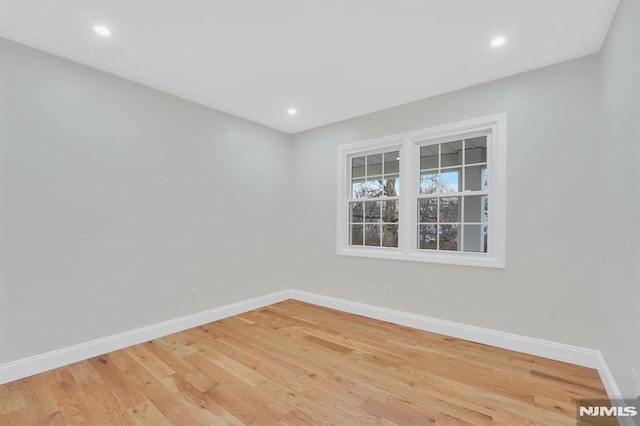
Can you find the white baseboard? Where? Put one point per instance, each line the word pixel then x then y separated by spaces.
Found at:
pixel 607 378
pixel 611 387
pixel 590 358
pixel 37 364
pixel 572 354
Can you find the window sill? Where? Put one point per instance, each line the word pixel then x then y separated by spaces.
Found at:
pixel 464 259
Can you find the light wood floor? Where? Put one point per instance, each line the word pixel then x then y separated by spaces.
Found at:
pixel 295 363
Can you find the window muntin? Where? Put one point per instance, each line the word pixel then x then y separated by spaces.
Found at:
pixel 453 196
pixel 374 201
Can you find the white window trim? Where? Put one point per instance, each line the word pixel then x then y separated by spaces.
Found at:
pixel 407 144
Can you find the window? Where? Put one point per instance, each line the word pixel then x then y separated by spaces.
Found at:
pixel 434 195
pixel 373 206
pixel 453 199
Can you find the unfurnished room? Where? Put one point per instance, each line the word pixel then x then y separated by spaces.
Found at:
pixel 349 212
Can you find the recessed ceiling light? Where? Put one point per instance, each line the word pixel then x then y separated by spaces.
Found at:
pixel 292 111
pixel 498 41
pixel 102 30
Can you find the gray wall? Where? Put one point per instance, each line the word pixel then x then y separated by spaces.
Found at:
pixel 3 300
pixel 548 289
pixel 620 149
pixel 118 199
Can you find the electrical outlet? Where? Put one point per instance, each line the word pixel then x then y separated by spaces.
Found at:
pixel 192 296
pixel 387 293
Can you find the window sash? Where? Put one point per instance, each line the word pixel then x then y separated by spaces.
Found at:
pixel 382 224
pixel 461 226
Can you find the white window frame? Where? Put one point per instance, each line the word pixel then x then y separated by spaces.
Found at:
pixel 409 146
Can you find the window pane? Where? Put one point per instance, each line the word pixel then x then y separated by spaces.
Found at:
pixel 475 178
pixel 374 165
pixel 475 238
pixel 475 209
pixel 450 209
pixel 391 162
pixel 390 211
pixel 429 157
pixel 389 235
pixel 372 211
pixel 475 150
pixel 449 237
pixel 374 188
pixel 358 188
pixel 355 210
pixel 429 183
pixel 372 235
pixel 450 181
pixel 451 154
pixel 428 210
pixel 427 235
pixel 356 235
pixel 357 167
pixel 391 186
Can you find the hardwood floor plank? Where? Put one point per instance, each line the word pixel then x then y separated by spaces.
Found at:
pixel 40 400
pixel 233 368
pixel 11 397
pixel 153 365
pixel 123 388
pixel 147 414
pixel 84 373
pixel 420 401
pixel 385 409
pixel 103 405
pixel 69 396
pixel 323 408
pixel 181 367
pixel 235 395
pixel 297 418
pixel 327 344
pixel 244 405
pixel 293 363
pixel 14 417
pixel 203 403
pixel 161 397
pixel 268 367
pixel 178 344
pixel 54 419
pixel 280 345
pixel 123 360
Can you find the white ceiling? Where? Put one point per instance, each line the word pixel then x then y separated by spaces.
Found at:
pixel 330 59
